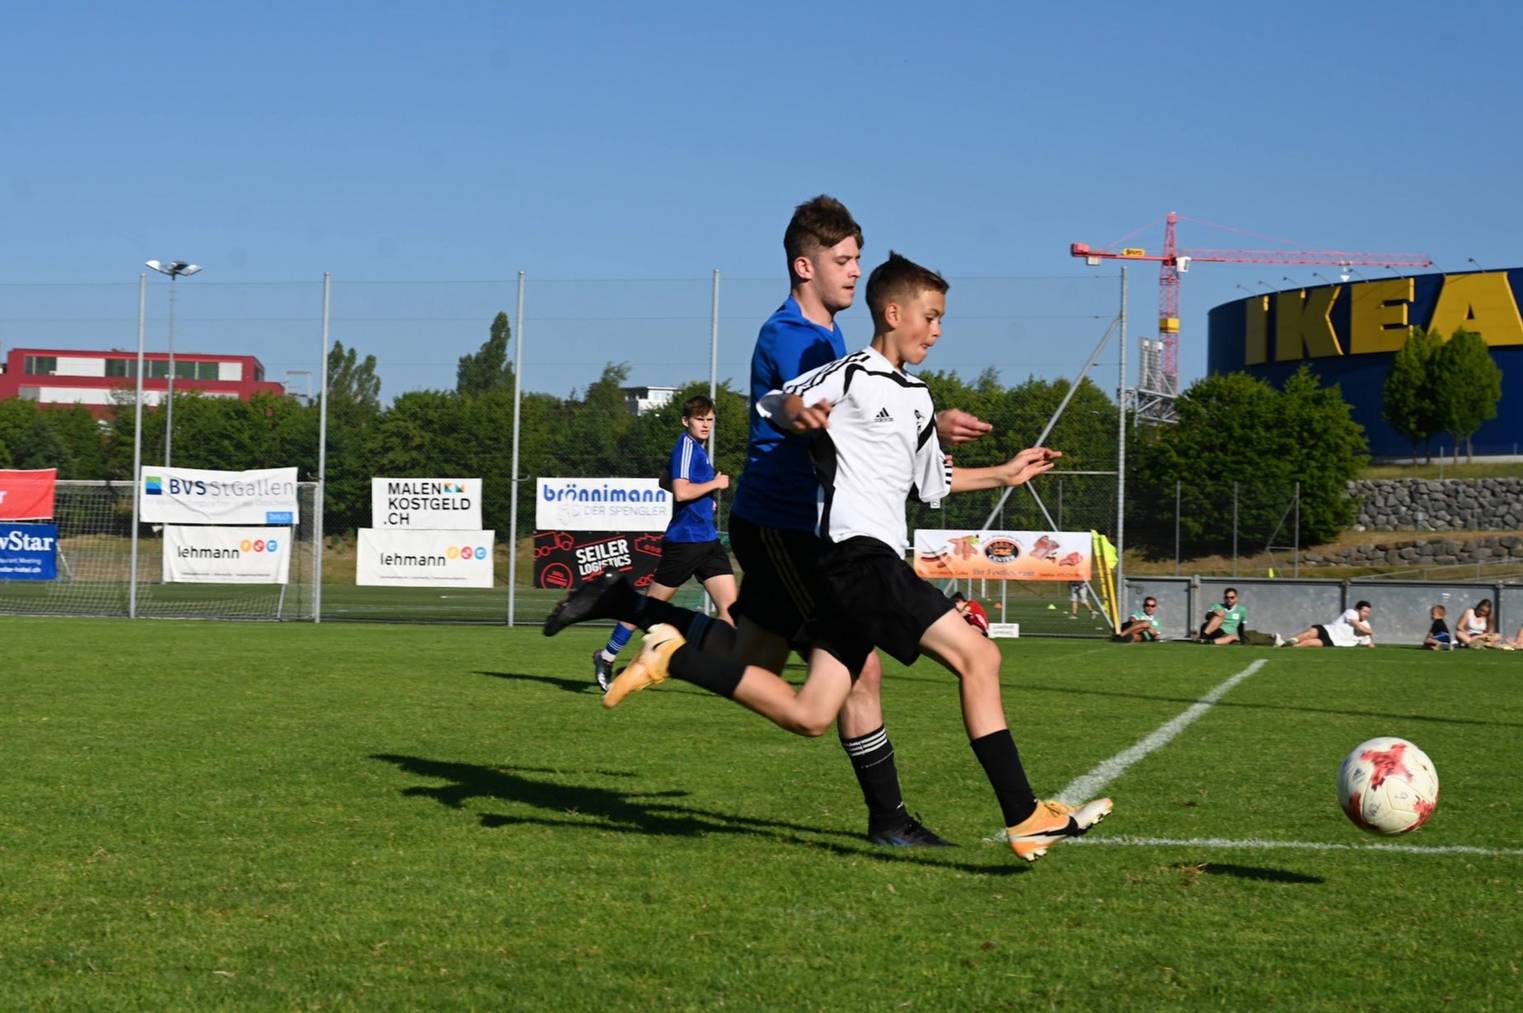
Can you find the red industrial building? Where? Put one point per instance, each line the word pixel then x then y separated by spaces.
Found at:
pixel 65 376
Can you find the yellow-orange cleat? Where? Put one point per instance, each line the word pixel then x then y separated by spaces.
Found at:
pixel 661 642
pixel 1054 823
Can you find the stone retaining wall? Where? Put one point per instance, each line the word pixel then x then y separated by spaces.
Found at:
pixel 1435 551
pixel 1420 504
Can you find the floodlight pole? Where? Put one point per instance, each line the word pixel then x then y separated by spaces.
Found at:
pixel 1121 450
pixel 322 459
pixel 518 383
pixel 174 269
pixel 137 446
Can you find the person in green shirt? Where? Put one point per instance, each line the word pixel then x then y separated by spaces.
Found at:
pixel 1224 620
pixel 1142 625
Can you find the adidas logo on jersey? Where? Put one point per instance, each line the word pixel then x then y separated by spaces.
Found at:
pixel 883 416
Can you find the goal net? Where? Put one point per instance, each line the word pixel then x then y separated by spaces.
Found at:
pixel 94 567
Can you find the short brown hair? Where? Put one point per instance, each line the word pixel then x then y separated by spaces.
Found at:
pixel 899 278
pixel 697 406
pixel 818 224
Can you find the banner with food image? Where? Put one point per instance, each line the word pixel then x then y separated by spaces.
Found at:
pixel 1003 555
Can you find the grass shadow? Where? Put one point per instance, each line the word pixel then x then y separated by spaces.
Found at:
pixel 569 685
pixel 648 813
pixel 1259 873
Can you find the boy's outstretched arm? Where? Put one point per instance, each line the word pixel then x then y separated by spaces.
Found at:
pixel 1023 467
pixel 788 413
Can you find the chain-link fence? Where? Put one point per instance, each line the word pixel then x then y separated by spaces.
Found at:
pixel 593 360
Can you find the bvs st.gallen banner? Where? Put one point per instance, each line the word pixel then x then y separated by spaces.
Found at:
pixel 194 496
pixel 1003 555
pixel 27 495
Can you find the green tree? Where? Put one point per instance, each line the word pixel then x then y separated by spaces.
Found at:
pixel 353 379
pixel 488 368
pixel 1469 385
pixel 1239 440
pixel 40 446
pixel 1409 396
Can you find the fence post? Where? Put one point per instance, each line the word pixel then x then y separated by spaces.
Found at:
pixel 518 385
pixel 1234 529
pixel 322 458
pixel 1296 570
pixel 1177 485
pixel 1192 603
pixel 137 446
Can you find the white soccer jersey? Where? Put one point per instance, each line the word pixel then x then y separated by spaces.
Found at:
pixel 879 448
pixel 1341 630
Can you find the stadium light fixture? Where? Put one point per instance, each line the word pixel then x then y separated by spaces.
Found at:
pixel 1477 263
pixel 175 269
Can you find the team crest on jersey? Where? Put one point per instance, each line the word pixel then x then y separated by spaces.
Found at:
pixel 883 416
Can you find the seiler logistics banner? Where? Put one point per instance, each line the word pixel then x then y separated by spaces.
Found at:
pixel 193 496
pixel 1004 555
pixel 583 526
pixel 213 554
pixel 399 557
pixel 27 495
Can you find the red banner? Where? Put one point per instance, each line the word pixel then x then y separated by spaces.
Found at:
pixel 27 495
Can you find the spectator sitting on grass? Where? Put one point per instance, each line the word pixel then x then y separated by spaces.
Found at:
pixel 1438 637
pixel 1351 629
pixel 1223 620
pixel 1142 625
pixel 1477 628
pixel 972 612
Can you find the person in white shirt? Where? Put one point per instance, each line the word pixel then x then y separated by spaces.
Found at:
pixel 874 443
pixel 1477 627
pixel 1351 629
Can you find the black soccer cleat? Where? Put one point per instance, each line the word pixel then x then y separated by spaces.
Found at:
pixel 602 669
pixel 909 832
pixel 610 596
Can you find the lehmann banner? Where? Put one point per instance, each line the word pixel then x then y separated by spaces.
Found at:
pixel 397 557
pixel 191 496
pixel 601 504
pixel 426 504
pixel 210 554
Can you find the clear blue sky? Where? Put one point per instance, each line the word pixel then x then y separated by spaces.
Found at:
pixel 385 141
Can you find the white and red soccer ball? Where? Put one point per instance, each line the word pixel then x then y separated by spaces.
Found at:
pixel 1388 786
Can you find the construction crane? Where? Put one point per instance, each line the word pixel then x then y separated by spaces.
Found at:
pixel 1173 262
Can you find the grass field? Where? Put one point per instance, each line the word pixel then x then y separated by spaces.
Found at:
pixel 342 816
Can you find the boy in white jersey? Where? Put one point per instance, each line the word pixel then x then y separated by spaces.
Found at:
pixel 875 444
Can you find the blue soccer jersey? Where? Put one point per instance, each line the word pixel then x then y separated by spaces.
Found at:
pixel 692 521
pixel 778 488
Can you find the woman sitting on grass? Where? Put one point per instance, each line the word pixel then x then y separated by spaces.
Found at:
pixel 1477 628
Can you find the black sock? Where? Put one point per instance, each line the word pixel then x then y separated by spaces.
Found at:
pixel 714 672
pixel 652 611
pixel 1002 765
pixel 872 758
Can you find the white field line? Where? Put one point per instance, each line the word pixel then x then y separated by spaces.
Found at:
pixel 1096 780
pixel 1258 844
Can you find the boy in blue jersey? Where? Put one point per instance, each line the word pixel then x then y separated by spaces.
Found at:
pixel 773 516
pixel 690 547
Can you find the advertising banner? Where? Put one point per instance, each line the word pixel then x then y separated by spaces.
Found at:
pixel 29 551
pixel 211 554
pixel 398 557
pixel 564 559
pixel 601 504
pixel 1003 555
pixel 426 504
pixel 27 495
pixel 191 496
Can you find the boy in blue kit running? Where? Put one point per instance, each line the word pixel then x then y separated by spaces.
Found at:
pixel 874 444
pixel 772 520
pixel 691 546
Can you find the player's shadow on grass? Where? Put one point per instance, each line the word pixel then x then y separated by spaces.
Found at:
pixel 652 813
pixel 1069 691
pixel 569 685
pixel 1258 873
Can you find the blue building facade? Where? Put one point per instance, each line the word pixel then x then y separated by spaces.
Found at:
pixel 1347 333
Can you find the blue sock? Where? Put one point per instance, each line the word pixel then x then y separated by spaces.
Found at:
pixel 616 642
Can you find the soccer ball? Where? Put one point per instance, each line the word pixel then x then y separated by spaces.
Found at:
pixel 1388 786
